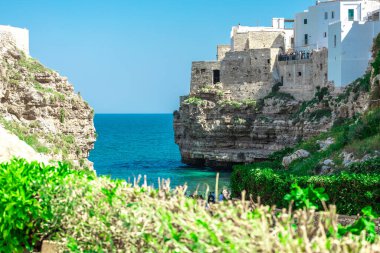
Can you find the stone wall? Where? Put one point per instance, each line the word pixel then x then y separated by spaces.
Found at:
pixel 258 40
pixel 249 74
pixel 222 50
pixel 202 74
pixel 301 77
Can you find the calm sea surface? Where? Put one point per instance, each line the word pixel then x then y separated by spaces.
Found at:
pixel 129 145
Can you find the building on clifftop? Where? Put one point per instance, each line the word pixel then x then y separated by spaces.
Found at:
pixel 19 36
pixel 346 28
pixel 329 43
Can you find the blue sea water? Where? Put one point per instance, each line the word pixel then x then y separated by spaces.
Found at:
pixel 129 145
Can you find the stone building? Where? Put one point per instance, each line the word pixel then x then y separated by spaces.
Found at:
pixel 19 36
pixel 328 43
pixel 247 67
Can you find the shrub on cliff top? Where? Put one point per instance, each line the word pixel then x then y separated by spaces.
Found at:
pixel 349 192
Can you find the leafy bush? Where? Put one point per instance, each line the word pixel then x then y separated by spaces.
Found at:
pixel 364 224
pixel 369 166
pixel 306 198
pixel 349 192
pixel 194 101
pixel 87 214
pixel 27 190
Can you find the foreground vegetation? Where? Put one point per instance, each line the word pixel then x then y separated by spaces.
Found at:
pixel 83 212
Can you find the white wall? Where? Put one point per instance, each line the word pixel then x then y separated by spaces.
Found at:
pixel 335 54
pixel 18 35
pixel 350 58
pixel 318 25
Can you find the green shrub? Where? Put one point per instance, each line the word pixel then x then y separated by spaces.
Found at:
pixel 321 93
pixel 25 197
pixel 369 166
pixel 320 113
pixel 349 192
pixel 308 198
pixel 194 101
pixel 364 224
pixel 62 115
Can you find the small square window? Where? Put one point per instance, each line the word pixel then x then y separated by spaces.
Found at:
pixel 305 21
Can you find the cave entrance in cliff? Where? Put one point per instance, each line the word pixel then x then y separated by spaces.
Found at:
pixel 216 76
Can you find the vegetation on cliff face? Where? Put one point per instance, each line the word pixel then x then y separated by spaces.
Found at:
pixel 81 212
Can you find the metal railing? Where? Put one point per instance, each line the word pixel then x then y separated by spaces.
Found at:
pixel 295 56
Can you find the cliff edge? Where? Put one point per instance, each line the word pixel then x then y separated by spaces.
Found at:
pixel 41 108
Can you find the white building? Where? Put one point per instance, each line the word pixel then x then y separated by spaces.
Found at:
pixel 350 45
pixel 346 28
pixel 19 36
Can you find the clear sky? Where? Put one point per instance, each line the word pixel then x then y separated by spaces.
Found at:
pixel 134 56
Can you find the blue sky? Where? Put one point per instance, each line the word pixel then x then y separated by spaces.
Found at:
pixel 135 56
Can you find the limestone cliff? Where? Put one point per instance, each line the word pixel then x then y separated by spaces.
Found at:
pixel 213 130
pixel 41 108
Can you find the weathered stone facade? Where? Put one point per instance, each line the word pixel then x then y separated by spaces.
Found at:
pixel 301 77
pixel 222 50
pixel 249 74
pixel 250 67
pixel 202 74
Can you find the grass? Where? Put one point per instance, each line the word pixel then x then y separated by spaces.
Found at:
pixel 56 96
pixel 194 101
pixel 22 132
pixel 84 213
pixel 55 144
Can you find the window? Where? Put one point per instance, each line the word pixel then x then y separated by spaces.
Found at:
pixel 326 15
pixel 325 34
pixel 335 41
pixel 203 71
pixel 305 21
pixel 216 76
pixel 333 14
pixel 299 73
pixel 351 14
pixel 321 66
pixel 306 39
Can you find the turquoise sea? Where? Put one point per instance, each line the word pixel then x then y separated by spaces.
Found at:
pixel 129 145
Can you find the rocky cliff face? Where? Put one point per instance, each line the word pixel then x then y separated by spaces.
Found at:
pixel 213 130
pixel 42 109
